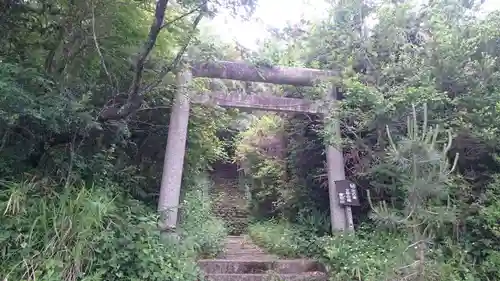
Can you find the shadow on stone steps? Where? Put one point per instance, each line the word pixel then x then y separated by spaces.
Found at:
pixel 309 276
pixel 260 266
pixel 260 270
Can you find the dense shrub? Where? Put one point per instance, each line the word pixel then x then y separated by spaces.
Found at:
pixel 93 233
pixel 131 248
pixel 444 54
pixel 260 152
pixel 204 232
pixel 368 255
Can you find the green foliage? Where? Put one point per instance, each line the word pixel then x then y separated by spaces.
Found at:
pixel 386 255
pixel 443 54
pixel 484 236
pixel 259 151
pixel 94 233
pixel 201 229
pixel 279 237
pixel 368 255
pixel 49 239
pixel 365 256
pixel 131 249
pixel 62 62
pixel 423 177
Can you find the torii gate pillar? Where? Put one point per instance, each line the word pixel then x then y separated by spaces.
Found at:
pixel 171 181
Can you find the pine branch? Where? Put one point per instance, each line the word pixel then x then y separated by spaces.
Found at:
pixel 427 173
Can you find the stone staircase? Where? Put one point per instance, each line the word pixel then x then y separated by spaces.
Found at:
pixel 229 202
pixel 244 261
pixel 236 219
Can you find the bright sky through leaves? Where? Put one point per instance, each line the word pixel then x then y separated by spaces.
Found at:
pixel 269 13
pixel 276 14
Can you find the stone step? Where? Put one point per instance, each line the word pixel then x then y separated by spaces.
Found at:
pixel 236 218
pixel 309 276
pixel 246 252
pixel 231 215
pixel 260 266
pixel 225 210
pixel 230 212
pixel 239 242
pixel 237 238
pixel 247 257
pixel 240 250
pixel 236 221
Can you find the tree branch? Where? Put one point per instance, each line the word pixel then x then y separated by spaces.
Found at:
pixel 181 52
pixel 135 97
pixel 98 48
pixel 134 100
pixel 198 8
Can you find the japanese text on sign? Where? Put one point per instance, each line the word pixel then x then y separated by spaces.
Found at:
pixel 347 193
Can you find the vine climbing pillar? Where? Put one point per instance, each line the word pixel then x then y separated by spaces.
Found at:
pixel 170 190
pixel 341 216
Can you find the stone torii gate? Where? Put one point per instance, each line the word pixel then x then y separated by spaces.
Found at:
pixel 341 216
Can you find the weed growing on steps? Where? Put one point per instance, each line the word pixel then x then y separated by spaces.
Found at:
pixel 281 238
pixel 273 276
pixel 52 233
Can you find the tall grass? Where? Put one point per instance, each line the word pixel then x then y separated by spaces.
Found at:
pixel 45 231
pixel 77 232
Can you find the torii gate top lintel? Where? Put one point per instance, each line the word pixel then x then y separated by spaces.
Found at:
pixel 247 72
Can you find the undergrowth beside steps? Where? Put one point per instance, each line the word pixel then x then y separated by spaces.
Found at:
pixel 80 232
